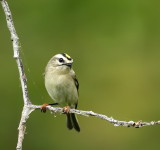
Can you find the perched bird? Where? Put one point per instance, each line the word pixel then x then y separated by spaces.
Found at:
pixel 62 86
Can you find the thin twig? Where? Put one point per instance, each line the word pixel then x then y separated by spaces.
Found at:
pixel 16 49
pixel 116 123
pixel 29 107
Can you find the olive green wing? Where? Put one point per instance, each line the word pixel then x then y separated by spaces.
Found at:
pixel 76 82
pixel 72 73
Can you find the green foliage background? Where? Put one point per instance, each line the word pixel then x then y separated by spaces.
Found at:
pixel 116 51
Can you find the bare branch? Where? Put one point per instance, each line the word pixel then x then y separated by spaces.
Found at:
pixel 116 123
pixel 16 50
pixel 22 125
pixel 29 107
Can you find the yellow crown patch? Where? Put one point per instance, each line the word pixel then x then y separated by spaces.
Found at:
pixel 67 56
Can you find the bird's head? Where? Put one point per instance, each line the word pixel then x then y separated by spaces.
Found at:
pixel 60 62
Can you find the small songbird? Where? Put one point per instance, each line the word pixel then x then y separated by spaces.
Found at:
pixel 62 86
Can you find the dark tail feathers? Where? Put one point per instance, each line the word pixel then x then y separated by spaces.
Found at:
pixel 72 122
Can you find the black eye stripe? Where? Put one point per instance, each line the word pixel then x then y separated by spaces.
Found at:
pixel 67 56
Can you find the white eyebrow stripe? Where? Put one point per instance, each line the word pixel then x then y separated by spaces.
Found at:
pixel 60 56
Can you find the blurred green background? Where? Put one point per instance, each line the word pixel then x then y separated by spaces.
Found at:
pixel 116 50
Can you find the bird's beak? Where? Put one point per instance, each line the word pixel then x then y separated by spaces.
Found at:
pixel 68 64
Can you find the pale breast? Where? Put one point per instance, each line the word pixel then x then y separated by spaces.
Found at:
pixel 62 89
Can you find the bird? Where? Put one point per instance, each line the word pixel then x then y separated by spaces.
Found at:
pixel 62 85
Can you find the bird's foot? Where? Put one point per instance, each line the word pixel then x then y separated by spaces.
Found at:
pixel 43 108
pixel 66 109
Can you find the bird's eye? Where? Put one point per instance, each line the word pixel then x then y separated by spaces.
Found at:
pixel 61 60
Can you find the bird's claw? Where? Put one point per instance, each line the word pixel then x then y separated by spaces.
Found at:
pixel 43 108
pixel 66 109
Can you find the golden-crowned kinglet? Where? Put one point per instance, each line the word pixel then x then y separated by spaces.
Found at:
pixel 62 85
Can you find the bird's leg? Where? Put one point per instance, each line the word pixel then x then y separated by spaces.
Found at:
pixel 53 104
pixel 66 109
pixel 43 107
